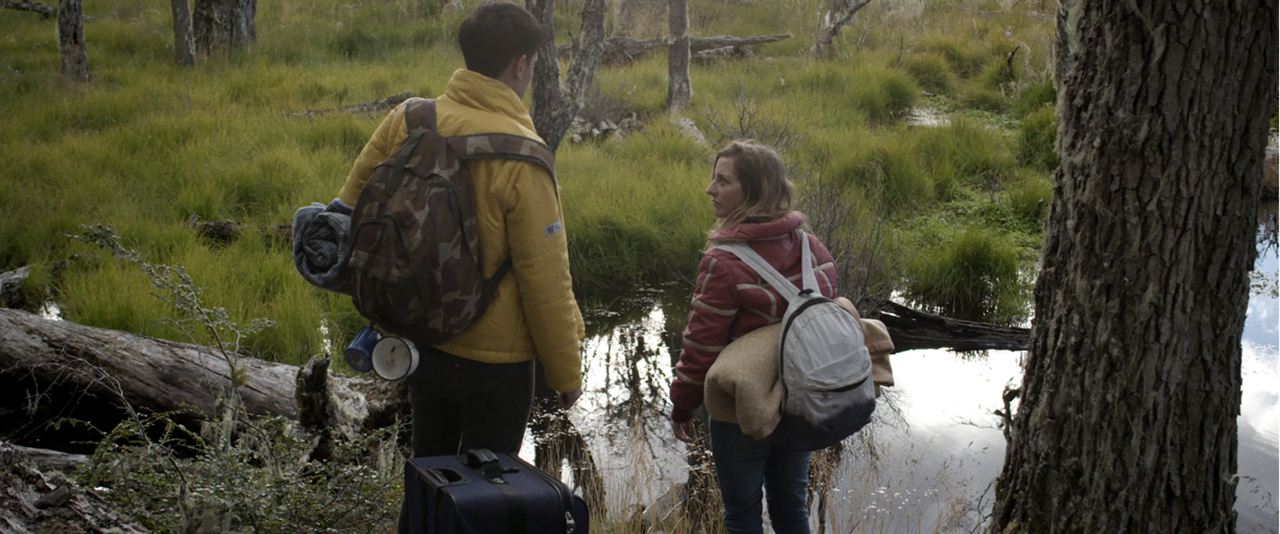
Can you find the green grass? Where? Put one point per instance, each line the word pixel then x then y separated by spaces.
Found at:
pixel 147 145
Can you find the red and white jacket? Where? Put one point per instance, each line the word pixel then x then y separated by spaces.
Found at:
pixel 730 299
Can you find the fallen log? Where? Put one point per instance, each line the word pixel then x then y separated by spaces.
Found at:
pixel 34 501
pixel 914 329
pixel 622 50
pixel 165 376
pixel 46 460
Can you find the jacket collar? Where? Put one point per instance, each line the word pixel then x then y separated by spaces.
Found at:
pixel 773 229
pixel 476 90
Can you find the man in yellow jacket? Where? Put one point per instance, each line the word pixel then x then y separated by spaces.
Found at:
pixel 476 390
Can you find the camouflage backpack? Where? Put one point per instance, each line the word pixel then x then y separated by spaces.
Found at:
pixel 415 254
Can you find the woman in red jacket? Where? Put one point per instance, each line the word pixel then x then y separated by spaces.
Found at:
pixel 752 199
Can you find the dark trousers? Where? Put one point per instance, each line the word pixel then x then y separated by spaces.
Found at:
pixel 744 466
pixel 460 404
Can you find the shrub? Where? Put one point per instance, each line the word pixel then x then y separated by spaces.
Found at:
pixel 963 152
pixel 966 57
pixel 983 98
pixel 1036 139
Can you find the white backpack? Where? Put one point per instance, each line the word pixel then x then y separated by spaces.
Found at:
pixel 828 393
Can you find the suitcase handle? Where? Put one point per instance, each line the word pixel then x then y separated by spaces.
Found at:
pixel 485 461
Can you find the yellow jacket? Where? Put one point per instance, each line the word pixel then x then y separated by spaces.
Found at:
pixel 533 312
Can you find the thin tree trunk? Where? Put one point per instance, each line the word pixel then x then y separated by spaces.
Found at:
pixel 220 25
pixel 184 42
pixel 554 106
pixel 1132 388
pixel 838 13
pixel 679 88
pixel 75 60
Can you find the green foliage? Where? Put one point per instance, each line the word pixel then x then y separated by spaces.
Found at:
pixel 1036 139
pixel 963 153
pixel 973 276
pixel 981 97
pixel 1028 198
pixel 932 72
pixel 885 170
pixel 246 474
pixel 1034 97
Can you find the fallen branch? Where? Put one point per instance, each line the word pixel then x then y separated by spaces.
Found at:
pixel 367 107
pixel 623 50
pixel 34 501
pixel 34 7
pixel 914 329
pixel 47 12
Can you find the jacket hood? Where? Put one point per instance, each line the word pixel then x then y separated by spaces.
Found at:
pixel 475 90
pixel 773 229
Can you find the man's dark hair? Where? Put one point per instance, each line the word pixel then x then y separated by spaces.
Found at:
pixel 496 34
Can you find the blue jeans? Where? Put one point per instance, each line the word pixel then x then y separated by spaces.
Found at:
pixel 743 466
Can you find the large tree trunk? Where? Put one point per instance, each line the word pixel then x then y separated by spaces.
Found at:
pixel 220 25
pixel 1132 387
pixel 833 19
pixel 164 376
pixel 679 88
pixel 75 61
pixel 184 43
pixel 554 106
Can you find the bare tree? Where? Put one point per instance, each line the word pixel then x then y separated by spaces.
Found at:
pixel 837 14
pixel 554 106
pixel 1128 413
pixel 679 88
pixel 184 43
pixel 75 60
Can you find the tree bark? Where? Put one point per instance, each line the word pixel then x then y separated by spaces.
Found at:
pixel 75 61
pixel 164 375
pixel 221 25
pixel 34 501
pixel 679 88
pixel 184 43
pixel 554 106
pixel 1132 388
pixel 838 13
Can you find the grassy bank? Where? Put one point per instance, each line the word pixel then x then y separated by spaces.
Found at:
pixel 148 147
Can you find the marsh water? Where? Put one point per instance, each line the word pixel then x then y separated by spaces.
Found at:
pixel 927 463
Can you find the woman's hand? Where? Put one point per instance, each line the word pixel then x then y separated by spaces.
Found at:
pixel 683 431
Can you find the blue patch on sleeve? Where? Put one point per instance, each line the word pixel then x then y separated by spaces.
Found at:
pixel 554 228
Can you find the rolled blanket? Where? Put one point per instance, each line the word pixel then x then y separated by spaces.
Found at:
pixel 321 236
pixel 742 385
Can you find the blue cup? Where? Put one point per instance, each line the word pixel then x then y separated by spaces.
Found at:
pixel 359 353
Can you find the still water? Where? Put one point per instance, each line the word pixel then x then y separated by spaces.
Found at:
pixel 929 461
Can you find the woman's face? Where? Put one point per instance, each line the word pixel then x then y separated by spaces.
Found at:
pixel 725 189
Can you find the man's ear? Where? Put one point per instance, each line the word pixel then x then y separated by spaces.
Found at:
pixel 524 67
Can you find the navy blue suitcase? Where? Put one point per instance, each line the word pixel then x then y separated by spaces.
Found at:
pixel 482 492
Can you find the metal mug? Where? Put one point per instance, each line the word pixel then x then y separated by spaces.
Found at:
pixel 395 358
pixel 359 353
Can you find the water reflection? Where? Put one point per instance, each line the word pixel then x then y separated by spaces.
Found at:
pixel 928 462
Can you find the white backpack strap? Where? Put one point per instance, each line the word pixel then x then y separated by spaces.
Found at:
pixel 806 266
pixel 758 264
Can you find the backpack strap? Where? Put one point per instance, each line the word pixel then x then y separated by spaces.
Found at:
pixel 504 146
pixel 771 275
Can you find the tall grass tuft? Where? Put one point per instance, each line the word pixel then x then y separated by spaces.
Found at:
pixel 1037 137
pixel 974 275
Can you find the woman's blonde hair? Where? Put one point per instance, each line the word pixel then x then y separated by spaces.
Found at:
pixel 766 191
